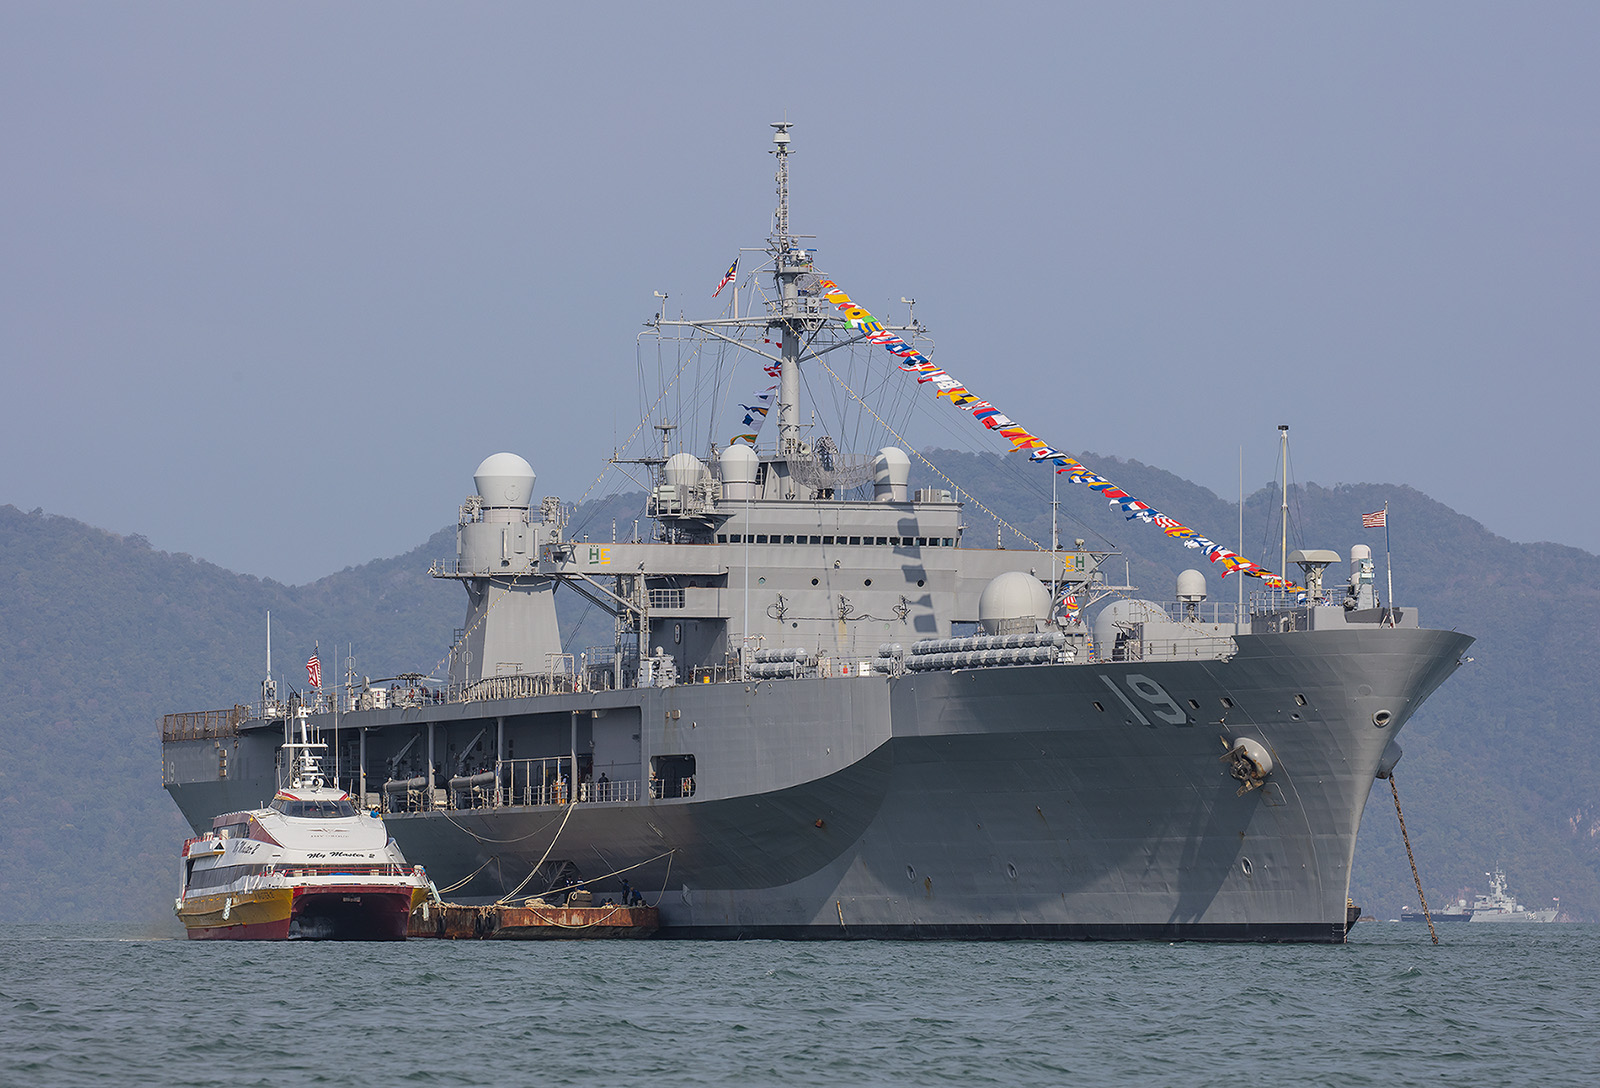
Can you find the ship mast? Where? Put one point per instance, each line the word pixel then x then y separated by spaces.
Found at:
pixel 788 269
pixel 1283 442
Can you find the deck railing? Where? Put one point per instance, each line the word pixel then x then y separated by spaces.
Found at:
pixel 204 724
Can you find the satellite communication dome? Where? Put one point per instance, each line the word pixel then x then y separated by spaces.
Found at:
pixel 685 470
pixel 1191 586
pixel 1013 601
pixel 505 480
pixel 739 464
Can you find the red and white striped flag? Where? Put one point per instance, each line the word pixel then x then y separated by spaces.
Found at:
pixel 1378 519
pixel 314 671
pixel 727 277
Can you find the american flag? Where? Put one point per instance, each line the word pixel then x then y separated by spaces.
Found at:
pixel 1378 519
pixel 727 277
pixel 314 671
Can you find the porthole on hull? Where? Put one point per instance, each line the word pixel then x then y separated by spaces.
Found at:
pixel 1382 718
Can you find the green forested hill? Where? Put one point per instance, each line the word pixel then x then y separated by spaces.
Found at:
pixel 102 634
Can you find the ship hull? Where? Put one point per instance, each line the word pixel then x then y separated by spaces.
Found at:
pixel 1061 801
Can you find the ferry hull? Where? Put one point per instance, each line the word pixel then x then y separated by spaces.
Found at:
pixel 341 913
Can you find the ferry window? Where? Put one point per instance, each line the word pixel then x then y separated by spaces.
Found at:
pixel 827 540
pixel 788 538
pixel 315 810
pixel 949 541
pixel 761 538
pixel 722 538
pixel 813 581
pixel 922 542
pixel 1227 703
pixel 855 540
pixel 883 540
pixel 816 540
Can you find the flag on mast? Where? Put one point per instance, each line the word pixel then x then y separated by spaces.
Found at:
pixel 727 277
pixel 314 670
pixel 1378 519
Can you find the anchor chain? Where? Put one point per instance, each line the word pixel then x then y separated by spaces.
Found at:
pixel 1413 859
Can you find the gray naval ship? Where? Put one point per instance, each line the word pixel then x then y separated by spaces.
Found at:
pixel 829 713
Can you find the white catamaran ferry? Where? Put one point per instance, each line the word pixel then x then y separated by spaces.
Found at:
pixel 309 866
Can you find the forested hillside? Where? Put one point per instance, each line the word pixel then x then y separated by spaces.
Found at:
pixel 102 634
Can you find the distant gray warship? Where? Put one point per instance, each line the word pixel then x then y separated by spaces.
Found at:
pixel 827 714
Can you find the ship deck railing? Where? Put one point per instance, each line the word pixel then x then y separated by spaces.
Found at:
pixel 205 724
pixel 529 783
pixel 600 669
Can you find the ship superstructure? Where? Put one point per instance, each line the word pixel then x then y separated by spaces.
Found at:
pixel 826 713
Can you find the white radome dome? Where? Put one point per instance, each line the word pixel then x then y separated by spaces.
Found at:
pixel 1011 597
pixel 505 479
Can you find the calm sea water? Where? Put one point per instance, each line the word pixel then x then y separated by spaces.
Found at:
pixel 1491 1005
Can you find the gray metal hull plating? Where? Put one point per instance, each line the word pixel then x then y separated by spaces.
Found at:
pixel 1078 801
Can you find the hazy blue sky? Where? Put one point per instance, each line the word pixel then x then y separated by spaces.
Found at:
pixel 277 276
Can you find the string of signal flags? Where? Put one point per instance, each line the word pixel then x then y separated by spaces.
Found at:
pixel 926 372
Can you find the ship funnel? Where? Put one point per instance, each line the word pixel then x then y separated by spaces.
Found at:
pixel 505 484
pixel 891 475
pixel 739 464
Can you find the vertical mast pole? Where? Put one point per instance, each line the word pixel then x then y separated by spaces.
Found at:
pixel 1238 616
pixel 789 305
pixel 1388 562
pixel 1283 554
pixel 1057 575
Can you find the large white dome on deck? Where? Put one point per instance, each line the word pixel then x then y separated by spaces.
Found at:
pixel 1013 601
pixel 505 479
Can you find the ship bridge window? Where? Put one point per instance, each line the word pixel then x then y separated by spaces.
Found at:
pixel 313 810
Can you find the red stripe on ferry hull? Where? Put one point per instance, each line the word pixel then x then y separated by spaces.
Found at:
pixel 249 931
